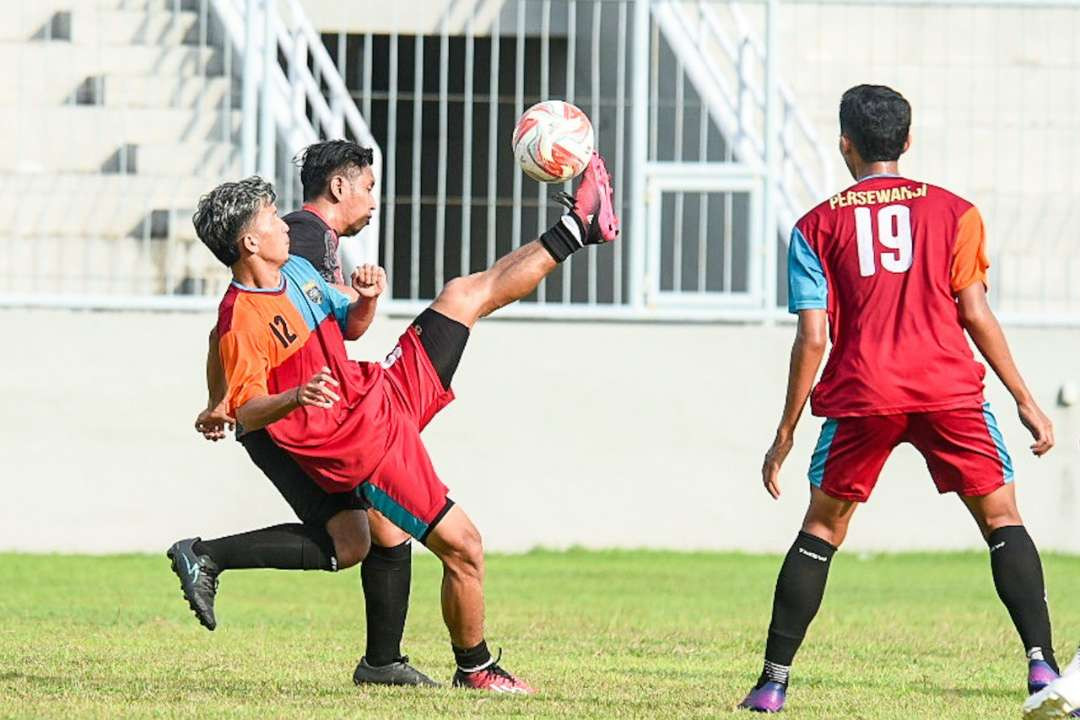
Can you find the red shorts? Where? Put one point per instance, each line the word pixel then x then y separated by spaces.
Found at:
pixel 404 486
pixel 963 449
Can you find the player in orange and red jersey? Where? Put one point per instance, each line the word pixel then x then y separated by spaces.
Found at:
pixel 334 527
pixel 896 269
pixel 356 426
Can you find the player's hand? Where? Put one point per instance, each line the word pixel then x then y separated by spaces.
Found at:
pixel 214 421
pixel 1039 426
pixel 369 281
pixel 774 458
pixel 318 392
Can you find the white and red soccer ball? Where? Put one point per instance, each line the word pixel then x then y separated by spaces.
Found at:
pixel 553 141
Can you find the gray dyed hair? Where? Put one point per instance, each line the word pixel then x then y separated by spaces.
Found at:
pixel 225 211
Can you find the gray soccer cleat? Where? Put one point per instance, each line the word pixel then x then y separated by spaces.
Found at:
pixel 399 672
pixel 198 579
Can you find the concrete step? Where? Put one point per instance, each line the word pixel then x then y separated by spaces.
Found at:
pixel 142 91
pixel 101 27
pixel 97 265
pixel 88 205
pixel 42 72
pixel 58 20
pixel 86 138
pixel 188 158
pixel 48 85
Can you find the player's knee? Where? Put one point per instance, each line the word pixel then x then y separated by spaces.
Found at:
pixel 831 530
pixel 999 519
pixel 351 538
pixel 465 297
pixel 466 556
pixel 352 553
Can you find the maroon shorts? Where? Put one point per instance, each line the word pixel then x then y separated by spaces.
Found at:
pixel 963 449
pixel 404 486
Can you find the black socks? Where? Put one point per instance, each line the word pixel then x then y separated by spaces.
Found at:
pixel 1018 577
pixel 284 547
pixel 564 237
pixel 799 589
pixel 386 574
pixel 473 659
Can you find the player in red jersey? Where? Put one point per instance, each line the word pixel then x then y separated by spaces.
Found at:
pixel 356 426
pixel 333 531
pixel 896 269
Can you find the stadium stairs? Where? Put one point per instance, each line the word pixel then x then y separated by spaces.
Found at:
pixel 114 123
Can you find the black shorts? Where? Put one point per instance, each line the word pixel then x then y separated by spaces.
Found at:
pixel 443 340
pixel 313 505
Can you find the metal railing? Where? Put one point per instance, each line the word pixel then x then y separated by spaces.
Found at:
pixel 301 99
pixel 710 114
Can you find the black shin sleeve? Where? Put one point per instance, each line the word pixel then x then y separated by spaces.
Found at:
pixel 386 574
pixel 284 547
pixel 799 589
pixel 444 342
pixel 1018 577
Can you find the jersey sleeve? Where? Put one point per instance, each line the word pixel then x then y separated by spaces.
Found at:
pixel 246 367
pixel 969 260
pixel 807 286
pixel 339 303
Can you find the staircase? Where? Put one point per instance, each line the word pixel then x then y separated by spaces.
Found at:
pixel 725 60
pixel 117 115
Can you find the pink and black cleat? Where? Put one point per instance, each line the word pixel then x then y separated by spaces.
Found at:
pixel 493 679
pixel 768 697
pixel 592 204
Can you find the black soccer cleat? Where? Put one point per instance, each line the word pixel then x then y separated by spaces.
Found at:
pixel 399 672
pixel 198 579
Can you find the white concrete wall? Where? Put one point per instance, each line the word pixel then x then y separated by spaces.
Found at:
pixel 623 435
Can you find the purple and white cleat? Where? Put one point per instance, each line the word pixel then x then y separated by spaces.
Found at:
pixel 766 698
pixel 1040 674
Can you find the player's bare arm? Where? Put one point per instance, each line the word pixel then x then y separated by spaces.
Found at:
pixel 806 354
pixel 368 283
pixel 214 420
pixel 316 392
pixel 981 324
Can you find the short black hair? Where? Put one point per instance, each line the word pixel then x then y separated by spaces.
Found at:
pixel 318 162
pixel 876 119
pixel 226 210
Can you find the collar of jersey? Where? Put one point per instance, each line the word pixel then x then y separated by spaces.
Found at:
pixel 879 175
pixel 270 291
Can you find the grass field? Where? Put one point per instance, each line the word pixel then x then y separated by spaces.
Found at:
pixel 602 634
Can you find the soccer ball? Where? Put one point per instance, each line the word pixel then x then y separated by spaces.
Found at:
pixel 553 141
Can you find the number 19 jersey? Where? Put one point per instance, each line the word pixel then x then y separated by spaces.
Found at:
pixel 886 259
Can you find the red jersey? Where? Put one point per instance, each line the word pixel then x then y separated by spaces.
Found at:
pixel 886 259
pixel 274 340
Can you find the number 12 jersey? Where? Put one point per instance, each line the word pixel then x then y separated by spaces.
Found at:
pixel 886 258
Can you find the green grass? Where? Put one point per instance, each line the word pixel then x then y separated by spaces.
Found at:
pixel 602 634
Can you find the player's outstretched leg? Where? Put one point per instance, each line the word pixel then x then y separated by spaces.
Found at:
pixel 800 588
pixel 294 546
pixel 456 542
pixel 1018 578
pixel 591 220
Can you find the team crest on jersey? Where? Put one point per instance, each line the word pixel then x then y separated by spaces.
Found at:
pixel 314 293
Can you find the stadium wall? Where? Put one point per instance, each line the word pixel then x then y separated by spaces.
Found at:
pixel 601 435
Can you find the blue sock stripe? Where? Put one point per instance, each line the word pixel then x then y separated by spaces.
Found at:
pixel 394 512
pixel 821 452
pixel 999 443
